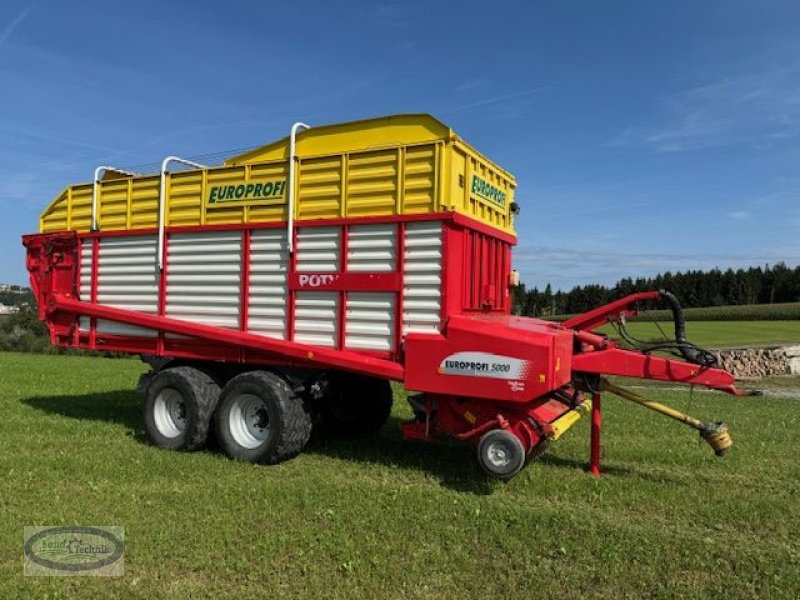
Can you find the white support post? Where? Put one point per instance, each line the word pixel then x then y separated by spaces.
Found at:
pixel 162 201
pixel 291 183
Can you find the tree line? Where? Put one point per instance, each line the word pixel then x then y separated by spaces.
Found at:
pixel 755 285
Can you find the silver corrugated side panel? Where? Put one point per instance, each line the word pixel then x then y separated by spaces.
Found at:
pixel 316 318
pixel 318 249
pixel 269 258
pixel 372 248
pixel 370 320
pixel 127 278
pixel 204 277
pixel 422 288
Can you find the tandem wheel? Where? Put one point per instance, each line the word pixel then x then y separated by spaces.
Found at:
pixel 178 404
pixel 260 419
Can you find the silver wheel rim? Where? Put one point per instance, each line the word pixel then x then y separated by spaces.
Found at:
pixel 169 413
pixel 248 421
pixel 499 454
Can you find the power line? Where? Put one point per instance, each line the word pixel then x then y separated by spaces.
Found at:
pixel 212 158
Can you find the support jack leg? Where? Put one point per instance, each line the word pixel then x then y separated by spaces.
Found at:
pixel 594 458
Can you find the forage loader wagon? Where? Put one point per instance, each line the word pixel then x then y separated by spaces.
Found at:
pixel 296 280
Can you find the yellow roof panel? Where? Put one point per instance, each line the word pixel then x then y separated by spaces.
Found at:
pixel 366 134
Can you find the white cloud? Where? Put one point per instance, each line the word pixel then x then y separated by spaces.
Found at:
pixel 468 85
pixel 758 106
pixel 15 22
pixel 494 100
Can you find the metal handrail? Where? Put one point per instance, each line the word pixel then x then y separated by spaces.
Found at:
pixel 162 203
pixel 96 184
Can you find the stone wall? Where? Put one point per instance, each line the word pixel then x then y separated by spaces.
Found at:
pixel 754 363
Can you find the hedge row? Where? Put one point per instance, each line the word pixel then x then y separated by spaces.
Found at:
pixel 23 332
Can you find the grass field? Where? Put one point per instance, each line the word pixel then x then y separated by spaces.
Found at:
pixel 383 518
pixel 788 311
pixel 721 334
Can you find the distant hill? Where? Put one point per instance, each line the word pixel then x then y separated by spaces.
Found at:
pixel 15 295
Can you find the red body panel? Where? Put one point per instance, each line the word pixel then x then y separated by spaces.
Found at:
pixel 504 358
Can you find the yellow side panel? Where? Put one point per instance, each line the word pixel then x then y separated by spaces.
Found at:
pixel 488 192
pixel 54 218
pixel 404 165
pixel 185 202
pixel 272 210
pixel 457 195
pixel 81 208
pixel 319 192
pixel 112 204
pixel 356 136
pixel 225 214
pixel 144 202
pixel 419 182
pixel 372 183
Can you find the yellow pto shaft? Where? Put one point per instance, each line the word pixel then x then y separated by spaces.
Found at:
pixel 569 418
pixel 716 434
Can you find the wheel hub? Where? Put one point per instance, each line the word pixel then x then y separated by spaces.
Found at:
pixel 169 413
pixel 249 421
pixel 498 454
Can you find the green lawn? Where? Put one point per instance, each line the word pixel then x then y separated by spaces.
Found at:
pixel 721 334
pixel 383 518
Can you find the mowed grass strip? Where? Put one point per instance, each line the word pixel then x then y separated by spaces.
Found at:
pixel 719 334
pixel 384 518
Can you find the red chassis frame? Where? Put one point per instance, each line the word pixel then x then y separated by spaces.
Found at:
pixel 546 364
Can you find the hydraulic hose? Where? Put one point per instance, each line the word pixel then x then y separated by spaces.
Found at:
pixel 689 351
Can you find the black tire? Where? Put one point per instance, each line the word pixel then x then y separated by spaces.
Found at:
pixel 356 404
pixel 501 454
pixel 178 404
pixel 260 419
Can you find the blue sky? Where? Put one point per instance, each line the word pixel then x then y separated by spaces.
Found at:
pixel 645 136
